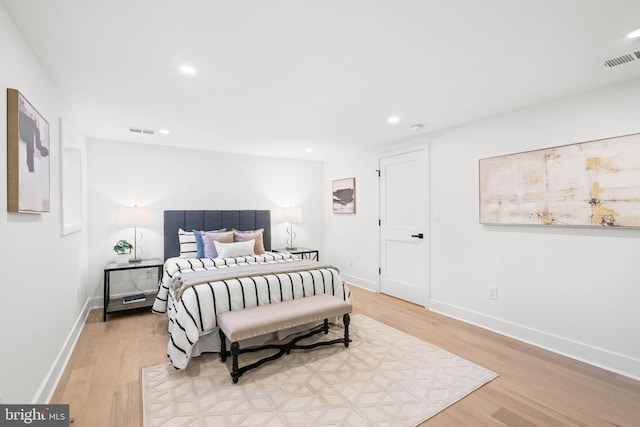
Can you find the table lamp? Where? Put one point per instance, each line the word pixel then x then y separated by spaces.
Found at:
pixel 292 216
pixel 135 217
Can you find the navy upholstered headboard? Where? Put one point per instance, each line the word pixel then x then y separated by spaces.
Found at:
pixel 212 220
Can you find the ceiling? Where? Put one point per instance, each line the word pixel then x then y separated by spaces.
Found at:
pixel 280 77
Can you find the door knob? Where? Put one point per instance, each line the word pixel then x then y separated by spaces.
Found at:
pixel 419 235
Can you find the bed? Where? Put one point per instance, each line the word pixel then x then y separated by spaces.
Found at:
pixel 196 286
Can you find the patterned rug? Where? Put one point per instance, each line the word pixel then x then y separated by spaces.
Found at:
pixel 384 378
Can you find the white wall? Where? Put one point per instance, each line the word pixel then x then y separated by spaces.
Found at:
pixel 351 240
pixel 572 290
pixel 124 174
pixel 43 273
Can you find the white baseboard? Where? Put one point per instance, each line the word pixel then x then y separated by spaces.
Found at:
pixel 360 282
pixel 50 382
pixel 605 359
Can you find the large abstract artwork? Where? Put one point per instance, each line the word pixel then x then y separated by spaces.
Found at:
pixel 593 183
pixel 28 188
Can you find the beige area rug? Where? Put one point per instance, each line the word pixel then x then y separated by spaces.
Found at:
pixel 385 378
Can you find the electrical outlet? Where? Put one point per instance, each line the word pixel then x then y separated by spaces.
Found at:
pixel 493 292
pixel 147 273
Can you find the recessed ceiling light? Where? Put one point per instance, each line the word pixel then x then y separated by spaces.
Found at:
pixel 187 70
pixel 393 119
pixel 308 149
pixel 417 127
pixel 634 34
pixel 164 131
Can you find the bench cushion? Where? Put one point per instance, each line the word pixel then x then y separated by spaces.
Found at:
pixel 265 319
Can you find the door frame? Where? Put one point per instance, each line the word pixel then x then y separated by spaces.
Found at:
pixel 409 149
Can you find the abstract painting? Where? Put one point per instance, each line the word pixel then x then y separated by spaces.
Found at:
pixel 344 196
pixel 594 183
pixel 28 188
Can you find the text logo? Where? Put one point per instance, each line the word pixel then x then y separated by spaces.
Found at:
pixel 34 415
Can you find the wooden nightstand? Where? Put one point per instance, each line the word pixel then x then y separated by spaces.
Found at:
pixel 118 304
pixel 305 253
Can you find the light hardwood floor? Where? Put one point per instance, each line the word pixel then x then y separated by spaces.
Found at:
pixel 535 387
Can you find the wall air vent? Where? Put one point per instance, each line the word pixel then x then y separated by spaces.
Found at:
pixel 143 131
pixel 625 58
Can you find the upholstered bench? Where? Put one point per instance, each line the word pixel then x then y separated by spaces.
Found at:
pixel 256 321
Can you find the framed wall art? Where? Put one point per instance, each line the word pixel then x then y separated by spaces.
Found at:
pixel 594 183
pixel 344 196
pixel 28 179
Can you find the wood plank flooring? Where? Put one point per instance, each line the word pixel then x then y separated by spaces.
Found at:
pixel 535 388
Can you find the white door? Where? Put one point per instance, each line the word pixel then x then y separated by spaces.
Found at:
pixel 404 237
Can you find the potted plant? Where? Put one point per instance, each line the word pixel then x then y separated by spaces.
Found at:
pixel 122 249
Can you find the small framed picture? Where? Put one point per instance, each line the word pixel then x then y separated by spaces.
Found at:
pixel 344 196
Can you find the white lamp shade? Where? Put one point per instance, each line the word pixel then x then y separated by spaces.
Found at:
pixel 135 217
pixel 292 215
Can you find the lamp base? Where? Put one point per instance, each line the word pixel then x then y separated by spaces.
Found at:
pixel 291 249
pixel 134 261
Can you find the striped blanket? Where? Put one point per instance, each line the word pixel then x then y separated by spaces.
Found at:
pixel 192 317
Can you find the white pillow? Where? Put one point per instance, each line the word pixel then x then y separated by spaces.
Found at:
pixel 188 246
pixel 230 250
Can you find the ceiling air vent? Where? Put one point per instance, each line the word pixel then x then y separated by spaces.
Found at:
pixel 625 58
pixel 143 131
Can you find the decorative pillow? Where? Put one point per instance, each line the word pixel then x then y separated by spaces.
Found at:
pixel 188 247
pixel 200 243
pixel 257 235
pixel 230 250
pixel 208 239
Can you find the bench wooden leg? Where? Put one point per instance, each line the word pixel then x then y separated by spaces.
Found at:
pixel 235 372
pixel 223 347
pixel 346 319
pixel 326 326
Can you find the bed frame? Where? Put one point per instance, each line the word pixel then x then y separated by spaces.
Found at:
pixel 212 220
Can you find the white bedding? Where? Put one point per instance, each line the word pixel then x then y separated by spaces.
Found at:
pixel 192 318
